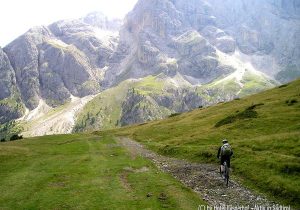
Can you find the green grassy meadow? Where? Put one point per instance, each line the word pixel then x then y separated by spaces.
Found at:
pixel 84 171
pixel 263 129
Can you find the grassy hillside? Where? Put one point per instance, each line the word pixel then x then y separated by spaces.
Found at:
pixel 84 172
pixel 263 129
pixel 11 108
pixel 105 110
pixel 7 130
pixel 162 97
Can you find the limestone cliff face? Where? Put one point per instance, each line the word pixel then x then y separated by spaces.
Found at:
pixel 95 42
pixel 23 55
pixel 7 77
pixel 266 30
pixel 64 70
pixel 11 106
pixel 66 58
pixel 191 33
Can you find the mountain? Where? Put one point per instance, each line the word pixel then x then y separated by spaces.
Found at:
pixel 192 38
pixel 49 66
pixel 170 56
pixel 191 43
pixel 61 60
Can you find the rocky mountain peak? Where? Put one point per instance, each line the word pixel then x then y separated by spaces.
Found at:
pixel 99 20
pixel 152 30
pixel 61 60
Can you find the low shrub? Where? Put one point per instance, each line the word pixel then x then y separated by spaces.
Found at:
pixel 291 102
pixel 282 86
pixel 254 106
pixel 249 112
pixel 291 168
pixel 168 150
pixel 15 137
pixel 174 114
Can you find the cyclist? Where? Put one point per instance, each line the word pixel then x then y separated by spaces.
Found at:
pixel 224 154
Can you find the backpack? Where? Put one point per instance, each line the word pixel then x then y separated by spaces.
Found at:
pixel 226 150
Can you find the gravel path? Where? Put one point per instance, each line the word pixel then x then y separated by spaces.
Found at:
pixel 204 179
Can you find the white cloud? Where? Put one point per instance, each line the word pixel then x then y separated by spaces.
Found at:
pixel 17 16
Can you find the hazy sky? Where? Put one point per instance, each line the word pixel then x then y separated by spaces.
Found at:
pixel 17 16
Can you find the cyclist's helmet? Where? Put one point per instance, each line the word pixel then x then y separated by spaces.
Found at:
pixel 224 141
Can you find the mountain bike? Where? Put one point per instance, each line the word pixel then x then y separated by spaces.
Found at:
pixel 226 172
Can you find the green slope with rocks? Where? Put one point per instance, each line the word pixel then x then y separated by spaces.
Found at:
pixel 156 97
pixel 263 129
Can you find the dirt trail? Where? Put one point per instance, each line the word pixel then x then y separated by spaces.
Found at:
pixel 202 178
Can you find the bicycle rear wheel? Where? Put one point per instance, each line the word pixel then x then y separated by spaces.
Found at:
pixel 226 173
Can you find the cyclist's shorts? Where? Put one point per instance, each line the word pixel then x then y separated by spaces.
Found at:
pixel 223 158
